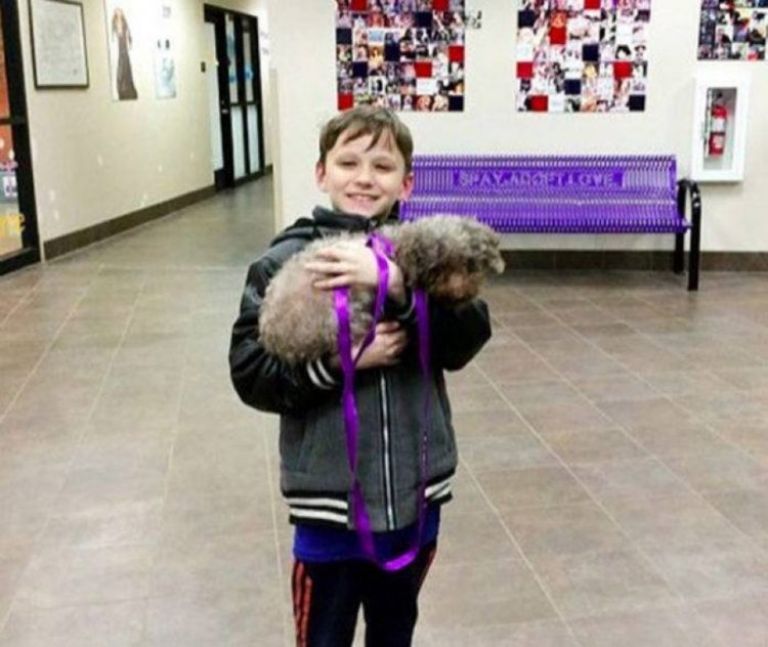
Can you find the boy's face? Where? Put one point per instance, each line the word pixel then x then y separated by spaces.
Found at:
pixel 363 179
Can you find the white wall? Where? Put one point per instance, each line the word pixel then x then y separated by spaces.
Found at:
pixel 96 159
pixel 735 217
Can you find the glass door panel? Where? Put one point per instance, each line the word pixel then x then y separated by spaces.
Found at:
pixel 19 243
pixel 253 138
pixel 234 95
pixel 5 109
pixel 11 220
pixel 238 141
pixel 236 40
pixel 249 74
pixel 217 153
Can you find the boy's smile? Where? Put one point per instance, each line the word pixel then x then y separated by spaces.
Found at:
pixel 364 178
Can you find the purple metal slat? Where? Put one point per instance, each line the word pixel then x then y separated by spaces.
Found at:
pixel 576 194
pixel 640 175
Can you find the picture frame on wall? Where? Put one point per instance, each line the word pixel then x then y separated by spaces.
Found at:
pixel 59 52
pixel 164 56
pixel 122 37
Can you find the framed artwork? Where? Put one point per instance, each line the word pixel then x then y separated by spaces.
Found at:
pixel 164 58
pixel 402 54
pixel 734 30
pixel 59 53
pixel 120 17
pixel 582 55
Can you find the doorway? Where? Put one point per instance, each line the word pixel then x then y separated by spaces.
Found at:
pixel 19 241
pixel 235 99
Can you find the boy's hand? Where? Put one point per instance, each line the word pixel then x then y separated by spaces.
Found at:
pixel 353 263
pixel 384 350
pixel 386 347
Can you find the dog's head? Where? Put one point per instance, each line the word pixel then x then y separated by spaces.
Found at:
pixel 448 256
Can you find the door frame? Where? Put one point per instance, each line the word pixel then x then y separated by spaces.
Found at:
pixel 19 124
pixel 217 16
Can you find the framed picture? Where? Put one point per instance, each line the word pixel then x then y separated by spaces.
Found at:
pixel 121 16
pixel 58 44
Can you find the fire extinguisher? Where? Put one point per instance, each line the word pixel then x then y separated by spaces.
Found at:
pixel 718 123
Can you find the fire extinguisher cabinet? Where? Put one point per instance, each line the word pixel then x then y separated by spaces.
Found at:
pixel 720 126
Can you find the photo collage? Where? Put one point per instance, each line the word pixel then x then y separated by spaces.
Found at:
pixel 407 55
pixel 734 30
pixel 582 55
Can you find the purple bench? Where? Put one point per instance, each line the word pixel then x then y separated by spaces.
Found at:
pixel 564 195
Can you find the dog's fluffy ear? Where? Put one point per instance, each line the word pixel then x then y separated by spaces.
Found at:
pixel 429 247
pixel 481 240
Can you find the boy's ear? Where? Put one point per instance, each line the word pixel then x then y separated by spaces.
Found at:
pixel 407 186
pixel 320 175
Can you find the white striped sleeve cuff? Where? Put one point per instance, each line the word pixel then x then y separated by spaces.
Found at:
pixel 320 375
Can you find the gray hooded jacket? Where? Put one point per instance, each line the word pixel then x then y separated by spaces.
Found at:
pixel 315 475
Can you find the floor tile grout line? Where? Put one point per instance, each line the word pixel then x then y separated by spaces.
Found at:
pixel 690 605
pixel 544 441
pixel 25 382
pixel 642 379
pixel 28 293
pixel 696 494
pixel 647 335
pixel 128 233
pixel 628 434
pixel 681 599
pixel 171 454
pixel 286 619
pixel 186 268
pixel 43 355
pixel 704 423
pixel 22 300
pixel 510 536
pixel 25 299
pixel 84 424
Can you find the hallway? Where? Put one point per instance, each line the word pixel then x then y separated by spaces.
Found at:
pixel 613 435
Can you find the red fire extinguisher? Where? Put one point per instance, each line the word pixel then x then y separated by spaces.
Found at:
pixel 717 126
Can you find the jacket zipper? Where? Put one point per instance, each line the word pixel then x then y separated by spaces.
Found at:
pixel 386 454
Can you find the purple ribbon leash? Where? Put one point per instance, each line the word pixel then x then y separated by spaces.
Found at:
pixel 381 248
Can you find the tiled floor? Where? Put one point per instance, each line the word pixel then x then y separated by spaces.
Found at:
pixel 612 489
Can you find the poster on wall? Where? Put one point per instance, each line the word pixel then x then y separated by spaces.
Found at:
pixel 582 55
pixel 734 30
pixel 121 21
pixel 164 61
pixel 402 54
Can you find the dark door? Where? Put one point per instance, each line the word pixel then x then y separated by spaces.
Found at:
pixel 237 140
pixel 19 243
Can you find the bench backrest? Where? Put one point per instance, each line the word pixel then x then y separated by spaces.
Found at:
pixel 547 178
pixel 580 195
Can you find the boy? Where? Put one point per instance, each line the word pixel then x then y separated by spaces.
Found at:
pixel 365 168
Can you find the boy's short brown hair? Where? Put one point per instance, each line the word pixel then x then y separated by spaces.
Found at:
pixel 368 120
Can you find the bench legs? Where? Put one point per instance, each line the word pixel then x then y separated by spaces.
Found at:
pixel 678 260
pixel 684 188
pixel 695 253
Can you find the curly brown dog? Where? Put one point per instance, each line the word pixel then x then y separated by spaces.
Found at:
pixel 446 256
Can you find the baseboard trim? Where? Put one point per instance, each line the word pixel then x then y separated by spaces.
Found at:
pixel 569 259
pixel 98 232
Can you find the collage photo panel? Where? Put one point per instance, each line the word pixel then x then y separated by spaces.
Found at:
pixel 734 30
pixel 402 54
pixel 582 55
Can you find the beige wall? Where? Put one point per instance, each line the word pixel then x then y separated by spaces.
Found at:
pixel 735 215
pixel 95 158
